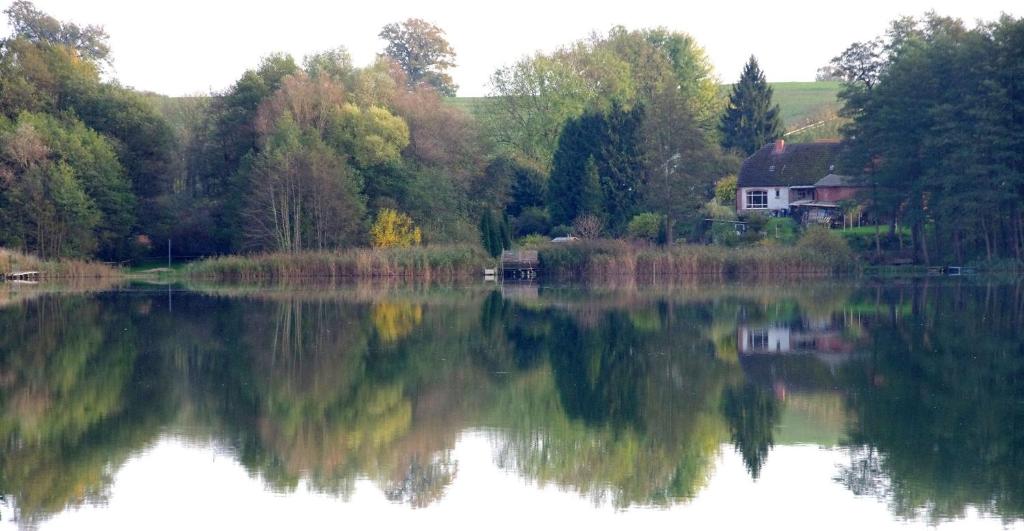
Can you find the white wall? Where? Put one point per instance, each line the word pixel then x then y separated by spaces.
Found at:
pixel 778 339
pixel 774 203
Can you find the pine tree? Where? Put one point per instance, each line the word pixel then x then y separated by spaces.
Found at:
pixel 751 120
pixel 598 167
pixel 590 196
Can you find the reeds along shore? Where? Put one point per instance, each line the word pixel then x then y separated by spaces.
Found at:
pixel 432 262
pixel 607 259
pixel 13 262
pixel 570 261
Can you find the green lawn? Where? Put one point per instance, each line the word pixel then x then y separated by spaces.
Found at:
pixel 869 230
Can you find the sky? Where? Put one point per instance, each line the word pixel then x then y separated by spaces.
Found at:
pixel 178 485
pixel 189 47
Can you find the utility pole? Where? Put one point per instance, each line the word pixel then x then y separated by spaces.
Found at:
pixel 168 254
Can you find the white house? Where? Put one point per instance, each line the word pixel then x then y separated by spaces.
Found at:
pixel 782 178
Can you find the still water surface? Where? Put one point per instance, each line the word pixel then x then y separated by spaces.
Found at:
pixel 841 405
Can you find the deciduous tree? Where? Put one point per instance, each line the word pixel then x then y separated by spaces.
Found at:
pixel 422 51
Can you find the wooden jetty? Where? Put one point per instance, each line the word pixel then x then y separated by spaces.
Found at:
pixel 520 265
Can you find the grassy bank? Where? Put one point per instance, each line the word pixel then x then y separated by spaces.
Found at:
pixel 12 261
pixel 428 262
pixel 611 258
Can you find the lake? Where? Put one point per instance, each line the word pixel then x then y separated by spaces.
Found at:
pixel 805 405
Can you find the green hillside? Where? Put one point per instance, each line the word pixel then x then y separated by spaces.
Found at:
pixel 803 102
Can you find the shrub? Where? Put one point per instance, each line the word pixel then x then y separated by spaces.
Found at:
pixel 725 190
pixel 532 220
pixel 533 241
pixel 782 230
pixel 756 222
pixel 724 234
pixel 826 244
pixel 646 226
pixel 755 228
pixel 560 231
pixel 394 229
pixel 714 210
pixel 587 226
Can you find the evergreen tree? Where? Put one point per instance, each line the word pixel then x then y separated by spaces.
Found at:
pixel 590 196
pixel 621 164
pixel 577 144
pixel 750 120
pixel 489 236
pixel 495 233
pixel 505 229
pixel 598 168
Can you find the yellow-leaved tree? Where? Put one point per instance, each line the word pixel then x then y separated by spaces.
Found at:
pixel 394 229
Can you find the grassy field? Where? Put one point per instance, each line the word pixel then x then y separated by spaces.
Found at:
pixel 803 102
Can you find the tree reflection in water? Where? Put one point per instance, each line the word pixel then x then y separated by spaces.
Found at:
pixel 624 396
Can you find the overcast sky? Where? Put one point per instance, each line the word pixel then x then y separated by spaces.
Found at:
pixel 195 46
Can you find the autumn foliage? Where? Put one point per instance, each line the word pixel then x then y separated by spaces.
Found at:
pixel 394 229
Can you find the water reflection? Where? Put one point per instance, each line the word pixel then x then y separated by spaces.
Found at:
pixel 624 396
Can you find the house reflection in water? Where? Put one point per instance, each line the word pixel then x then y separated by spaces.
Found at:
pixel 800 355
pixel 810 336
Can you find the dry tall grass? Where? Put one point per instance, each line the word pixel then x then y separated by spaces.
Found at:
pixel 608 259
pixel 437 262
pixel 12 262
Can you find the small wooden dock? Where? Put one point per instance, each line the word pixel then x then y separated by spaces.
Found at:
pixel 519 265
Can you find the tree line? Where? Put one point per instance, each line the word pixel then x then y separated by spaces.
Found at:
pixel 935 111
pixel 308 154
pixel 622 129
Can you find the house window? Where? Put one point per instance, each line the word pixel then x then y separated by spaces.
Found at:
pixel 776 193
pixel 757 199
pixel 759 340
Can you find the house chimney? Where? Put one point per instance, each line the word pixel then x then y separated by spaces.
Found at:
pixel 780 146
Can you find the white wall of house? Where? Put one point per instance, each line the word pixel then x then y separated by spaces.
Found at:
pixel 778 197
pixel 764 340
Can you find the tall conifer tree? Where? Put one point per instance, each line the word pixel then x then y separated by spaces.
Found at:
pixel 751 120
